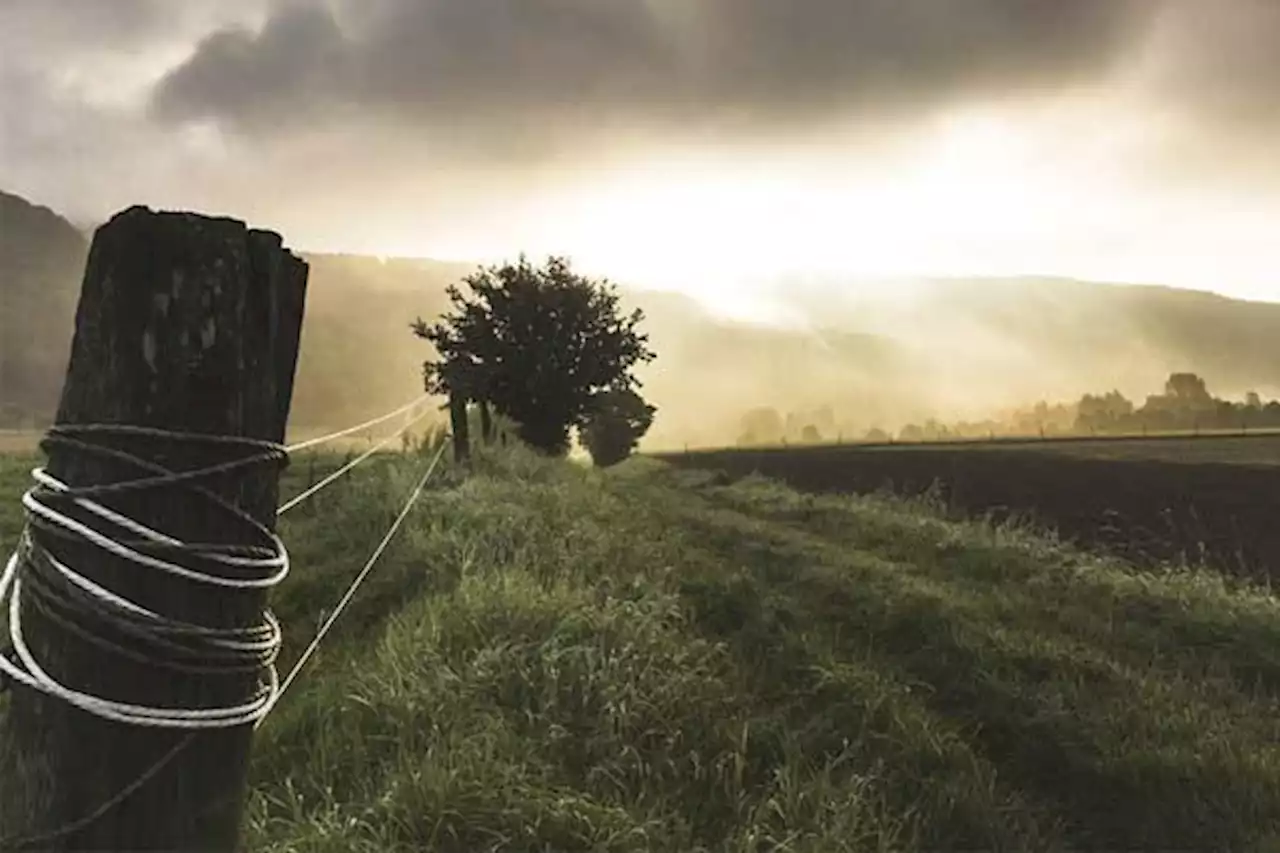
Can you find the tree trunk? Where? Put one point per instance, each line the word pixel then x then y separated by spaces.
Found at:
pixel 185 323
pixel 461 429
pixel 486 423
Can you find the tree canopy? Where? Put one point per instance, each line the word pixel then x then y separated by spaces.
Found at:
pixel 540 344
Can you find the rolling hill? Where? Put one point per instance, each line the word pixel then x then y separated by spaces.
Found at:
pixel 42 256
pixel 955 348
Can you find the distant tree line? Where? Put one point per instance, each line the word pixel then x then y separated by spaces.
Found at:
pixel 1186 405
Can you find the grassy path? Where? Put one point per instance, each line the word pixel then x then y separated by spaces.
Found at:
pixel 550 659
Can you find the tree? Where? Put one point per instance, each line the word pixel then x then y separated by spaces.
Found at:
pixel 1187 390
pixel 619 418
pixel 1103 412
pixel 762 425
pixel 538 343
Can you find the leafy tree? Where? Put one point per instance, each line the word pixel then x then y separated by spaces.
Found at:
pixel 1187 392
pixel 1103 412
pixel 618 420
pixel 538 343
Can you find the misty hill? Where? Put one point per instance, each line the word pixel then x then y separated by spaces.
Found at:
pixel 873 356
pixel 1122 332
pixel 358 357
pixel 42 257
pixel 980 344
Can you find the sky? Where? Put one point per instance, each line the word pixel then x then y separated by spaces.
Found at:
pixel 713 146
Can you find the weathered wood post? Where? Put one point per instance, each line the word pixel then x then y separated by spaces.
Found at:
pixel 186 324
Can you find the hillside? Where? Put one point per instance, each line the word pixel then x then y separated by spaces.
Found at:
pixel 42 256
pixel 1116 331
pixel 951 349
pixel 552 659
pixel 358 357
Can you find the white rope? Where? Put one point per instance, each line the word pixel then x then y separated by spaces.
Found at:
pixel 324 439
pixel 297 499
pixel 106 543
pixel 33 675
pixel 27 669
pixel 42 477
pixel 355 584
pixel 264 641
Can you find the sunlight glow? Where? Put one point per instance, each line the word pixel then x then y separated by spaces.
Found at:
pixel 715 226
pixel 982 193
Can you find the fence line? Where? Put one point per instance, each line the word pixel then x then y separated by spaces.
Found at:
pixel 359 579
pixel 297 499
pixel 325 439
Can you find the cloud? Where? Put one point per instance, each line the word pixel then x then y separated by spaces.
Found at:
pixel 1205 83
pixel 38 29
pixel 437 112
pixel 50 26
pixel 537 65
pixel 1220 60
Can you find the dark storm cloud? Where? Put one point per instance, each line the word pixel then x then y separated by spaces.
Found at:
pixel 752 61
pixel 94 106
pixel 834 51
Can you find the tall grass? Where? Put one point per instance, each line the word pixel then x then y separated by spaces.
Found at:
pixel 558 659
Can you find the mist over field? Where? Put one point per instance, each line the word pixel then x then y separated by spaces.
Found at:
pixel 847 356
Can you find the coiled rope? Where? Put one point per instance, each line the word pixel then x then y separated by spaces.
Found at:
pixel 74 602
pixel 39 573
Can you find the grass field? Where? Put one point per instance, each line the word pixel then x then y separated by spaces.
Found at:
pixel 551 659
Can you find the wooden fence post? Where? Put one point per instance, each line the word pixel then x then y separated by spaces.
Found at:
pixel 189 324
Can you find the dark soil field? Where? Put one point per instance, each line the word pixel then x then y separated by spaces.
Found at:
pixel 1261 448
pixel 1211 500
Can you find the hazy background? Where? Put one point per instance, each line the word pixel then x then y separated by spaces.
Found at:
pixel 811 165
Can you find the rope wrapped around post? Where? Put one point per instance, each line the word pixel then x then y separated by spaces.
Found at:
pixel 40 574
